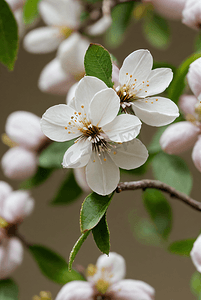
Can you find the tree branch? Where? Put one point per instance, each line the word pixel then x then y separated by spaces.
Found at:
pixel 156 184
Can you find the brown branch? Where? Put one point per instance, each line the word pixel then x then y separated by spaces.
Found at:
pixel 156 184
pixel 22 239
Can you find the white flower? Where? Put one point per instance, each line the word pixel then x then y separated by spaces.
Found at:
pixel 62 18
pixel 14 207
pixel 196 254
pixel 105 281
pixel 100 147
pixel 137 82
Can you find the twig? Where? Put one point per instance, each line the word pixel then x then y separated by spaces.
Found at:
pixel 22 239
pixel 156 184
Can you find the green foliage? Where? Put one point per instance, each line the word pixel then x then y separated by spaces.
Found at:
pixel 156 30
pixel 101 235
pixel 121 16
pixel 8 290
pixel 182 247
pixel 76 248
pixel 196 284
pixel 52 156
pixel 178 84
pixel 9 36
pixel 97 62
pixel 52 265
pixel 30 12
pixel 93 209
pixel 41 176
pixel 198 42
pixel 173 171
pixel 159 210
pixel 68 192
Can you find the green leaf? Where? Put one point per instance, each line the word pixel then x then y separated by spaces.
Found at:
pixel 198 42
pixel 8 290
pixel 52 156
pixel 154 146
pixel 52 265
pixel 173 171
pixel 30 11
pixel 68 192
pixel 182 247
pixel 178 84
pixel 196 283
pixel 9 36
pixel 101 235
pixel 156 30
pixel 121 16
pixel 160 211
pixel 97 62
pixel 93 209
pixel 41 176
pixel 76 248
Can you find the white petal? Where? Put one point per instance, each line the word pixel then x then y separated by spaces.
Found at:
pixel 5 190
pixel 157 81
pixel 78 155
pixel 104 107
pixel 115 75
pixel 18 14
pixel 130 155
pixel 179 137
pixel 196 253
pixel 71 54
pixel 43 40
pixel 196 154
pixel 86 89
pixel 110 268
pixel 19 163
pixel 194 76
pixel 171 9
pixel 129 289
pixel 191 14
pixel 80 177
pixel 156 111
pixel 54 80
pixel 138 64
pixel 187 104
pixel 102 176
pixel 100 26
pixel 76 290
pixel 15 4
pixel 70 98
pixel 55 121
pixel 123 128
pixel 11 255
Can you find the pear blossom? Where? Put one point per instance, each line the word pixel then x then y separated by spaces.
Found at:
pixel 191 14
pixel 101 134
pixel 196 253
pixel 15 206
pixel 105 281
pixel 62 18
pixel 137 83
pixel 184 135
pixel 24 136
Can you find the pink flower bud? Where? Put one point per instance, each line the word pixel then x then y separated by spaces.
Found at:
pixel 196 254
pixel 179 137
pixel 192 14
pixel 196 154
pixel 18 163
pixel 194 76
pixel 24 128
pixel 171 9
pixel 80 177
pixel 187 104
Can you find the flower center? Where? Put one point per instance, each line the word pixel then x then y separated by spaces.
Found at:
pixel 65 31
pixel 102 286
pixel 43 296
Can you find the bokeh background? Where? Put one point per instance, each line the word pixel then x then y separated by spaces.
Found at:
pixel 58 227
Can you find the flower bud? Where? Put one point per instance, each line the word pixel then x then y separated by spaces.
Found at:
pixel 196 154
pixel 171 9
pixel 19 164
pixel 194 76
pixel 192 14
pixel 80 177
pixel 24 128
pixel 187 104
pixel 179 137
pixel 196 253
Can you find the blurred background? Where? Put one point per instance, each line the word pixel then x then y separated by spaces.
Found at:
pixel 58 227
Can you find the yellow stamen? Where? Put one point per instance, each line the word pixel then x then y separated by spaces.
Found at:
pixel 3 223
pixel 91 269
pixel 7 141
pixel 102 286
pixel 43 296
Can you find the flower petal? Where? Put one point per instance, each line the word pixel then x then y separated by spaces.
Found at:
pixel 123 128
pixel 76 290
pixel 43 40
pixel 187 104
pixel 5 190
pixel 102 175
pixel 138 65
pixel 194 77
pixel 157 81
pixel 196 154
pixel 55 122
pixel 78 155
pixel 130 155
pixel 156 111
pixel 196 254
pixel 100 26
pixel 104 107
pixel 80 177
pixel 129 289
